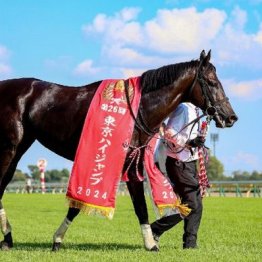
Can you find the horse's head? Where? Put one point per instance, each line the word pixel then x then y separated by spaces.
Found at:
pixel 209 95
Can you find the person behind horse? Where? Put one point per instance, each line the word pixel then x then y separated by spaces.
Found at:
pixel 181 166
pixel 28 184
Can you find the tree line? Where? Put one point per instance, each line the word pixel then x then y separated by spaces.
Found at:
pixel 215 172
pixel 53 175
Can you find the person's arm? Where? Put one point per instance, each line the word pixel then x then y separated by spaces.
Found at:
pixel 173 131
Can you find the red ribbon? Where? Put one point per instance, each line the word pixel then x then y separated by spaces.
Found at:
pixel 202 175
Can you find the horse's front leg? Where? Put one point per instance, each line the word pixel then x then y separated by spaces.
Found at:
pixel 136 190
pixel 60 232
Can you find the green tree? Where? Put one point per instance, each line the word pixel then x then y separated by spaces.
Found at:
pixel 18 176
pixel 65 175
pixel 34 171
pixel 215 169
pixel 256 176
pixel 52 175
pixel 240 176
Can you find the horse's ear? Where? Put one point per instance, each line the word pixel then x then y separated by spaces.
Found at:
pixel 207 58
pixel 202 55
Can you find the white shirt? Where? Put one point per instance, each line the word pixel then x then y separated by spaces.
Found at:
pixel 28 182
pixel 174 132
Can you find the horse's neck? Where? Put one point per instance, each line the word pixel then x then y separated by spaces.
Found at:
pixel 165 100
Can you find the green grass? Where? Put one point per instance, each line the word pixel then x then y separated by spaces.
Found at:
pixel 231 230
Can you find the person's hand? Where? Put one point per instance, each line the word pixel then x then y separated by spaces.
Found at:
pixel 162 129
pixel 169 133
pixel 199 141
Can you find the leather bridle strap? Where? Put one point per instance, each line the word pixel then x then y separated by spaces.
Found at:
pixel 196 77
pixel 140 125
pixel 211 104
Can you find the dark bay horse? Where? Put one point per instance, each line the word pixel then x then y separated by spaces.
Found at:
pixel 53 114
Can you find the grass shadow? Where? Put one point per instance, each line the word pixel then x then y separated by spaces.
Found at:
pixel 76 246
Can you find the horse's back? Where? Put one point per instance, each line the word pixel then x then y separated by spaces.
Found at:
pixel 51 113
pixel 14 94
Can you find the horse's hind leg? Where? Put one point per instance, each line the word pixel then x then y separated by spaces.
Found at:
pixel 6 157
pixel 10 154
pixel 136 190
pixel 7 243
pixel 60 232
pixel 6 228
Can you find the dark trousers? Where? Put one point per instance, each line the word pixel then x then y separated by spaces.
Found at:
pixel 183 176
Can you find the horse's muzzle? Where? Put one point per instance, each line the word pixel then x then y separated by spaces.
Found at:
pixel 231 120
pixel 222 122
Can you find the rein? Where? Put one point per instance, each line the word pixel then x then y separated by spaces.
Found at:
pixel 139 120
pixel 194 121
pixel 135 155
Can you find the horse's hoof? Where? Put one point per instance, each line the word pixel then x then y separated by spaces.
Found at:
pixel 5 246
pixel 56 246
pixel 155 249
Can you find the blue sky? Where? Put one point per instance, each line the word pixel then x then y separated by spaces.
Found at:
pixel 78 42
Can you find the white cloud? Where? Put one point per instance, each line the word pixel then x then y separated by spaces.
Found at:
pixel 128 14
pixel 5 68
pixel 106 24
pixel 258 35
pixel 127 56
pixel 172 31
pixel 119 29
pixel 4 52
pixel 239 18
pixel 235 47
pixel 99 24
pixel 132 72
pixel 248 90
pixel 169 31
pixel 127 45
pixel 86 68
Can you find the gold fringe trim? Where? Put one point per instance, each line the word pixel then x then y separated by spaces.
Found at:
pixel 183 209
pixel 90 209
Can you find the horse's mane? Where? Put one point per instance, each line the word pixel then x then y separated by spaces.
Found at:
pixel 156 78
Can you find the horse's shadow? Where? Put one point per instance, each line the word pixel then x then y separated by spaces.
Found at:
pixel 76 246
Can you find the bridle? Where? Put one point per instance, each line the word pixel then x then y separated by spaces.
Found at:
pixel 212 106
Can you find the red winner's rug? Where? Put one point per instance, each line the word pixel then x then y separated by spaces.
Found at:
pixel 101 153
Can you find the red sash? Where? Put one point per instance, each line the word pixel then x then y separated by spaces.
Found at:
pixel 101 153
pixel 162 192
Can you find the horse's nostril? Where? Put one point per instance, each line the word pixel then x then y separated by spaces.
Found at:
pixel 232 118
